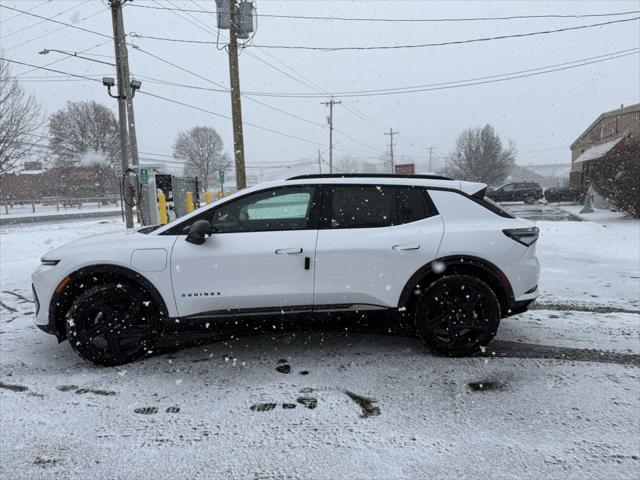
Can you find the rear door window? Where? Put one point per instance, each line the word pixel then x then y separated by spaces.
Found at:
pixel 374 206
pixel 361 206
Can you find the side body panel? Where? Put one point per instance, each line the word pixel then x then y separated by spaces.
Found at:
pixel 370 266
pixel 140 253
pixel 471 229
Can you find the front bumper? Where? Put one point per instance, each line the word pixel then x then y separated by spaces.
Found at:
pixel 45 279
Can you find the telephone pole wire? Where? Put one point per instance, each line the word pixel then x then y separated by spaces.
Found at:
pixel 331 103
pixel 391 134
pixel 236 106
pixel 119 43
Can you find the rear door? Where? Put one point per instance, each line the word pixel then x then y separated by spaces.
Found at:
pixel 372 238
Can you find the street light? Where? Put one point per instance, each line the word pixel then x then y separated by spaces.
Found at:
pixel 46 51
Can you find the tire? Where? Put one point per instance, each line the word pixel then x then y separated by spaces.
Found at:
pixel 457 315
pixel 113 324
pixel 529 200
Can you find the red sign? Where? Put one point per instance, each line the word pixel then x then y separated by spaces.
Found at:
pixel 405 169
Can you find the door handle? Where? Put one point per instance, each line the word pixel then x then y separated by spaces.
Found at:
pixel 407 246
pixel 288 251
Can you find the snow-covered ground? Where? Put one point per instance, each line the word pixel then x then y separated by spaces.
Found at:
pixel 556 395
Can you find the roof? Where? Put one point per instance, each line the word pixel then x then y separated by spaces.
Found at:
pixel 367 175
pixel 602 116
pixel 598 151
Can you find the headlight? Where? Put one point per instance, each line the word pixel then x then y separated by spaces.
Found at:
pixel 50 263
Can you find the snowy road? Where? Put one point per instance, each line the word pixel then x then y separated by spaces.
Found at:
pixel 555 396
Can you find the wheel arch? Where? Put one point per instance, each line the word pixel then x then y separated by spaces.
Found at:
pixel 93 275
pixel 457 265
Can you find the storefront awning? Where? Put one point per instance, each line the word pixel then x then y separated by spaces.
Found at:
pixel 598 151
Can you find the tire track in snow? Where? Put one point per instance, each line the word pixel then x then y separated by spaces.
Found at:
pixel 504 349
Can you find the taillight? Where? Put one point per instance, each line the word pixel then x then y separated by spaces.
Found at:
pixel 525 236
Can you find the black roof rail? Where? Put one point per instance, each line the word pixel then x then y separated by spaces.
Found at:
pixel 367 175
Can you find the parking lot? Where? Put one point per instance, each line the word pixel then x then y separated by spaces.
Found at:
pixel 540 211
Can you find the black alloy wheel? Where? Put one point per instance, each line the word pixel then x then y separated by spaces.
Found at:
pixel 113 324
pixel 457 315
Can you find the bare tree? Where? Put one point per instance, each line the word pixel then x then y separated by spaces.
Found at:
pixel 20 115
pixel 201 150
pixel 480 156
pixel 84 132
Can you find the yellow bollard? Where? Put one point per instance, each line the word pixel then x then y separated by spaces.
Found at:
pixel 189 202
pixel 219 194
pixel 162 207
pixel 208 197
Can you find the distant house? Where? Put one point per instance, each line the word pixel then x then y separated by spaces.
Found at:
pixel 613 135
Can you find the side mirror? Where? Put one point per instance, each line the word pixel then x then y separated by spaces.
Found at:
pixel 198 232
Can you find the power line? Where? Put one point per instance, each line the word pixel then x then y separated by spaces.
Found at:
pixel 305 81
pixel 409 20
pixel 27 27
pixel 66 25
pixel 453 42
pixel 225 89
pixel 30 10
pixel 466 82
pixel 395 47
pixel 392 91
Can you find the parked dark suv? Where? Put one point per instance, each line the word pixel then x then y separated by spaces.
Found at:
pixel 564 194
pixel 527 192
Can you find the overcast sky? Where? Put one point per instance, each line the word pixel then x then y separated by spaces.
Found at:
pixel 542 114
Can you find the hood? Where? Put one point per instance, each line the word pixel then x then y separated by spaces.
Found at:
pixel 85 242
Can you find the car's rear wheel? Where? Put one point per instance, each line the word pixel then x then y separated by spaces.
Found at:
pixel 457 315
pixel 112 324
pixel 529 200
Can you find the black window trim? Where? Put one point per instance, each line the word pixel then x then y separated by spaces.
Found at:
pixel 314 211
pixel 324 222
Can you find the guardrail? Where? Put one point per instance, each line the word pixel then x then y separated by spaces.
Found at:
pixel 59 202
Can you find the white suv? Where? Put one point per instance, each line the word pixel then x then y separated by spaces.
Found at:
pixel 429 247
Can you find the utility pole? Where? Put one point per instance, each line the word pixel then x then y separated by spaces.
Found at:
pixel 133 138
pixel 236 106
pixel 319 163
pixel 119 42
pixel 331 103
pixel 391 134
pixel 430 156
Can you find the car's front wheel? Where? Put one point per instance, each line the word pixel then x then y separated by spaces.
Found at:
pixel 112 324
pixel 457 315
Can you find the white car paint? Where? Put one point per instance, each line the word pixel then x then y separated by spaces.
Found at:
pixel 358 266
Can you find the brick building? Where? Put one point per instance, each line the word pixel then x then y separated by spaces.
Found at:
pixel 612 135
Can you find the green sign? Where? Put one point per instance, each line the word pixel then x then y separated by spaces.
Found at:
pixel 221 177
pixel 144 176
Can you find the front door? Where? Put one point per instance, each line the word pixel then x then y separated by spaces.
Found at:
pixel 259 257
